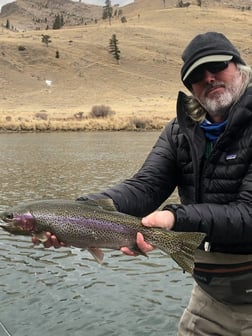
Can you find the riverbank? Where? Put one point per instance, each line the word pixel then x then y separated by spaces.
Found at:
pixel 77 123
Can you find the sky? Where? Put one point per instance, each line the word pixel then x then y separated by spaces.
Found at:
pixel 93 2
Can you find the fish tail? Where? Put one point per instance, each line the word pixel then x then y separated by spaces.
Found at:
pixel 182 247
pixel 189 242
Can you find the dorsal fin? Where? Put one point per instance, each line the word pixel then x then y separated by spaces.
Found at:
pixel 104 203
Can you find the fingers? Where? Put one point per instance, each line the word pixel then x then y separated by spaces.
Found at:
pixel 128 252
pixel 35 240
pixel 163 219
pixel 51 241
pixel 142 245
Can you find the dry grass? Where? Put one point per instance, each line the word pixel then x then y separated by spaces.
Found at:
pixel 142 90
pixel 115 123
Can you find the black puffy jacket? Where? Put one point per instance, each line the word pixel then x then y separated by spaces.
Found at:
pixel 215 194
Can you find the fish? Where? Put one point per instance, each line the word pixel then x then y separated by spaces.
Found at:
pixel 95 225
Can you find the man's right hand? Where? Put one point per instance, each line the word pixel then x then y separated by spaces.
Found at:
pixel 51 241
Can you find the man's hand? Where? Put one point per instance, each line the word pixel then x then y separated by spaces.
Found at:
pixel 162 219
pixel 51 241
pixel 141 243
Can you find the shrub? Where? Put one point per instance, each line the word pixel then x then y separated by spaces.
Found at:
pixel 139 123
pixel 21 48
pixel 41 115
pixel 101 111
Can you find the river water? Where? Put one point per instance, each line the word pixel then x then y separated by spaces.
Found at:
pixel 64 292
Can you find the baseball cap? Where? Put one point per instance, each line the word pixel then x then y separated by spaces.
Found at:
pixel 205 48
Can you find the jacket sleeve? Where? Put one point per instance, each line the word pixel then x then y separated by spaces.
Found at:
pixel 151 185
pixel 224 224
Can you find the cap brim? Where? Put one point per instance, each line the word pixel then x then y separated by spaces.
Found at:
pixel 207 59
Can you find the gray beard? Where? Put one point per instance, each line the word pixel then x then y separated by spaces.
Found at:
pixel 219 105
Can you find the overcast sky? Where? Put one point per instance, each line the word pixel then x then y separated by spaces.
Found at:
pixel 93 2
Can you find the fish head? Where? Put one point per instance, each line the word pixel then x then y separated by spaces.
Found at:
pixel 17 223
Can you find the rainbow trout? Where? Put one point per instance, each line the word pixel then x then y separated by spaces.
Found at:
pixel 93 225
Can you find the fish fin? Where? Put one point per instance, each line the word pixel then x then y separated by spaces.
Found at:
pixel 104 203
pixel 96 253
pixel 187 264
pixel 41 236
pixel 189 242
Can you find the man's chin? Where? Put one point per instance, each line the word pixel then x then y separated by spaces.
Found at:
pixel 215 92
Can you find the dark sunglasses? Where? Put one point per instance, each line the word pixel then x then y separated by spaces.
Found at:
pixel 198 74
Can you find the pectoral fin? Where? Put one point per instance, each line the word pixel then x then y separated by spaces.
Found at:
pixel 96 253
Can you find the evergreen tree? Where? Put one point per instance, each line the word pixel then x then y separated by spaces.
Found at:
pixel 62 21
pixel 114 49
pixel 107 11
pixel 46 39
pixel 58 22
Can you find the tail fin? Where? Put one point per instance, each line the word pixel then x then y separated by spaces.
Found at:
pixel 184 256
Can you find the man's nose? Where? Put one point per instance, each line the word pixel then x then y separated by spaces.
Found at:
pixel 209 76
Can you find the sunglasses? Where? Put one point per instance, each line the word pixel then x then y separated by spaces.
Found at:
pixel 198 74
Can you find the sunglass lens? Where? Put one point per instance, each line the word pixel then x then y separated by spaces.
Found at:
pixel 216 67
pixel 198 74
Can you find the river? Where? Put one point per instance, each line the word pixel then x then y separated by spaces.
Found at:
pixel 64 292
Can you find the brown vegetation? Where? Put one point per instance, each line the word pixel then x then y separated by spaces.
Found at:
pixel 42 92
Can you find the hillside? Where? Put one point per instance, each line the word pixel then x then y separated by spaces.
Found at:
pixel 40 14
pixel 143 86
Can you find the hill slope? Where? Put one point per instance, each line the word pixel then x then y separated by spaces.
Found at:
pixel 144 85
pixel 26 15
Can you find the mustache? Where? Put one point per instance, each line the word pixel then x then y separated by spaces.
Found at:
pixel 213 85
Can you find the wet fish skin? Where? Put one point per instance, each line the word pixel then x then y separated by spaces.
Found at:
pixel 94 225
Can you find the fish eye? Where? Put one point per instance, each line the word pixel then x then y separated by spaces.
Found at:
pixel 9 216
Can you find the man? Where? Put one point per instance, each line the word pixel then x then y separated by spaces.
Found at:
pixel 206 152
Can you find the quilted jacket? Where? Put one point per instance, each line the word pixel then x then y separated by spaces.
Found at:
pixel 215 193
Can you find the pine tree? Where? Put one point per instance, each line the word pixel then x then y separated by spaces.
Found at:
pixel 114 49
pixel 46 39
pixel 107 11
pixel 58 22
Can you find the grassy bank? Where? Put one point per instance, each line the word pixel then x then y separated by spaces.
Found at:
pixel 41 123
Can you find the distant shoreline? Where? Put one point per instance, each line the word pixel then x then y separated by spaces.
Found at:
pixel 85 124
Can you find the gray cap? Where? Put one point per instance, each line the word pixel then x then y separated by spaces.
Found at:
pixel 205 48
